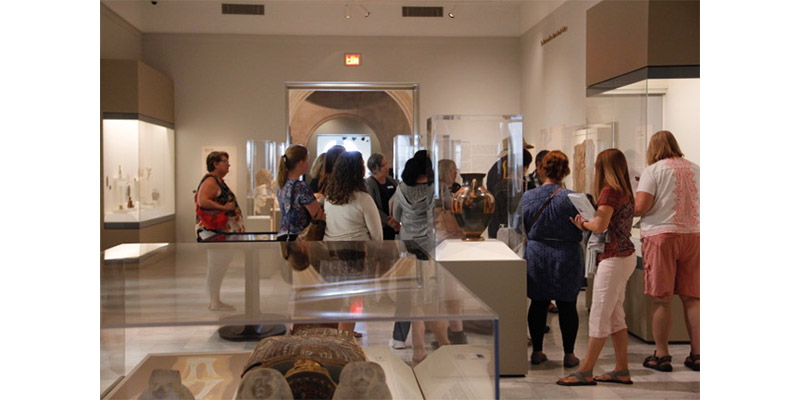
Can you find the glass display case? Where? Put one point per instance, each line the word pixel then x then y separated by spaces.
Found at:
pixel 632 113
pixel 371 284
pixel 581 144
pixel 138 172
pixel 262 211
pixel 634 108
pixel 403 149
pixel 487 152
pixel 135 258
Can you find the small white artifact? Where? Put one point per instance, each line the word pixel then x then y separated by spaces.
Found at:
pixel 263 384
pixel 165 384
pixel 362 380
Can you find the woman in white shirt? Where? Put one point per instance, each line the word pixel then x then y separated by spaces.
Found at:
pixel 351 213
pixel 668 200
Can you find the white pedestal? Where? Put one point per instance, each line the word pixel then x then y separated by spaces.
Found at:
pixel 497 276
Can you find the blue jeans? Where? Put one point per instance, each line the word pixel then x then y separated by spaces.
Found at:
pixel 401 330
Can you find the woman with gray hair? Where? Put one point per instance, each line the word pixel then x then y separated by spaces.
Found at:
pixel 381 188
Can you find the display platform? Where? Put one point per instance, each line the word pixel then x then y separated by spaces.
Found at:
pixel 451 372
pixel 497 275
pixel 207 376
pixel 373 284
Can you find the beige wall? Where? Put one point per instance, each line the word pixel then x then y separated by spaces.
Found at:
pixel 118 39
pixel 230 88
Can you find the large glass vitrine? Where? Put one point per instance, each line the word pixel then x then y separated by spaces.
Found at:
pixel 262 211
pixel 373 284
pixel 138 172
pixel 486 150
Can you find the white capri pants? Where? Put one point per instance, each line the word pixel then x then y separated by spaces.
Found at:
pixel 608 315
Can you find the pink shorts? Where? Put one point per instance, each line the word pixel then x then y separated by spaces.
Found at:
pixel 671 263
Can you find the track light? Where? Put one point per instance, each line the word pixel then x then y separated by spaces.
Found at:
pixel 452 14
pixel 366 12
pixel 347 11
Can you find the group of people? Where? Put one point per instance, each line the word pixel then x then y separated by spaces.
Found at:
pixel 379 207
pixel 667 200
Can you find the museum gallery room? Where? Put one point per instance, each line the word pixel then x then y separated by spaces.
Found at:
pixel 192 88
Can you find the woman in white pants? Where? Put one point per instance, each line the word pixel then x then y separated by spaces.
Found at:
pixel 617 262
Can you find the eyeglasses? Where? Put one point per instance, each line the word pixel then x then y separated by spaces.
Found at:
pixel 225 162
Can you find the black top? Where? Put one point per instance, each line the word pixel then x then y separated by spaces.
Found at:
pixel 387 191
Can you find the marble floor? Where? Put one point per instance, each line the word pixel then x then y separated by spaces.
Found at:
pixel 539 383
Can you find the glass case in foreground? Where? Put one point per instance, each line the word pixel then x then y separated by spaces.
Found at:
pixel 486 151
pixel 372 285
pixel 138 172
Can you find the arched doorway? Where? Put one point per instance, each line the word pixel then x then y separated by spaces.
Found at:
pixel 379 111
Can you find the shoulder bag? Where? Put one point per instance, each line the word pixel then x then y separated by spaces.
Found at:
pixel 213 220
pixel 541 209
pixel 315 230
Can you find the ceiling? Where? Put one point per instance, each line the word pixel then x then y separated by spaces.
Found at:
pixel 498 18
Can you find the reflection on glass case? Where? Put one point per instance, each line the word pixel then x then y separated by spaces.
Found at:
pixel 487 152
pixel 581 144
pixel 262 211
pixel 138 173
pixel 633 113
pixel 403 149
pixel 311 288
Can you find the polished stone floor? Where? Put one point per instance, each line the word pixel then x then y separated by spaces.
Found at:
pixel 539 383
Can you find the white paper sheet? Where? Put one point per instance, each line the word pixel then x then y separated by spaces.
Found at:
pixel 582 203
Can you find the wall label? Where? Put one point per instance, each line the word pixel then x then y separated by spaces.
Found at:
pixel 554 35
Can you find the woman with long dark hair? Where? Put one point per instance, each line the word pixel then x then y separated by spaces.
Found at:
pixel 607 317
pixel 351 212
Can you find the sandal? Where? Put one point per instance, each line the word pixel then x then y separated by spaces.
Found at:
pixel 662 364
pixel 693 362
pixel 581 376
pixel 613 377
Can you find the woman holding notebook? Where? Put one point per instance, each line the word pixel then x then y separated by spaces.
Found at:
pixel 617 261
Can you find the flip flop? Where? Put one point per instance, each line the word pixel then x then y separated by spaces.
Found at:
pixel 581 376
pixel 614 377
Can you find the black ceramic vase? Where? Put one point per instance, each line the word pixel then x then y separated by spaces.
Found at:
pixel 473 206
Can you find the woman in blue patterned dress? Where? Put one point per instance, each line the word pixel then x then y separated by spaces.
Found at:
pixel 554 257
pixel 297 202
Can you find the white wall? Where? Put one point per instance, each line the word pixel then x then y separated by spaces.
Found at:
pixel 682 115
pixel 554 75
pixel 230 88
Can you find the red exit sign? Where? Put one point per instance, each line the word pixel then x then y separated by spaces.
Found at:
pixel 352 59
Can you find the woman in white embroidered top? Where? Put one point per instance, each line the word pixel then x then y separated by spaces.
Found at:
pixel 668 200
pixel 351 213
